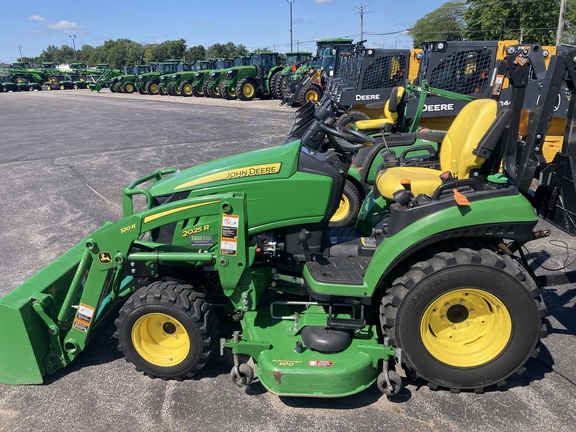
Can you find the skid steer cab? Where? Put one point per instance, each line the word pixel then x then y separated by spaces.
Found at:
pixel 426 284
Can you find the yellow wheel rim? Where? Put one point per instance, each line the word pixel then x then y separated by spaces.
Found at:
pixel 160 339
pixel 129 88
pixel 466 327
pixel 248 90
pixel 187 89
pixel 342 210
pixel 232 92
pixel 311 95
pixel 153 88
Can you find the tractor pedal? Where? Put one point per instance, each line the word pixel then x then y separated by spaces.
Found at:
pixel 345 323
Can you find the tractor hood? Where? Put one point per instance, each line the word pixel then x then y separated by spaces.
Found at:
pixel 273 163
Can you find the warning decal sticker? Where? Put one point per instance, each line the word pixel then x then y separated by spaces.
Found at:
pixel 83 317
pixel 229 237
pixel 320 363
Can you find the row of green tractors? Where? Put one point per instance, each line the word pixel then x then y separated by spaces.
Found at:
pixel 22 76
pixel 262 75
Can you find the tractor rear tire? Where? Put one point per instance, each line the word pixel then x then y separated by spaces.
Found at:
pixel 465 317
pixel 167 330
pixel 162 91
pixel 273 85
pixel 349 207
pixel 245 90
pixel 310 92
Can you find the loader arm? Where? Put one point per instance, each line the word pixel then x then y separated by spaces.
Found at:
pixel 49 319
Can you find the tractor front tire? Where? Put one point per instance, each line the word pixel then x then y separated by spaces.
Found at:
pixel 128 87
pixel 208 90
pixel 466 318
pixel 152 88
pixel 186 89
pixel 245 90
pixel 167 330
pixel 197 91
pixel 226 92
pixel 310 92
pixel 349 207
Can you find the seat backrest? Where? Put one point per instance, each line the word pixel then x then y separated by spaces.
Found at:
pixel 391 105
pixel 463 136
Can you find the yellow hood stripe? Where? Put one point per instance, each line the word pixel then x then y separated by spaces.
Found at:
pixel 176 210
pixel 249 171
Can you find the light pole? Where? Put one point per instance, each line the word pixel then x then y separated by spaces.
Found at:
pixel 291 45
pixel 20 49
pixel 73 37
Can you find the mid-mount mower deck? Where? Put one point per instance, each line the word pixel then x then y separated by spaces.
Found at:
pixel 427 281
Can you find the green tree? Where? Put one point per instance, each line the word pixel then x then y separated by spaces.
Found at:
pixel 174 49
pixel 121 52
pixel 228 50
pixel 569 34
pixel 532 21
pixel 444 23
pixel 197 52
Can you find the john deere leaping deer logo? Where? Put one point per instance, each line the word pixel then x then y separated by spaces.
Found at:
pixel 105 257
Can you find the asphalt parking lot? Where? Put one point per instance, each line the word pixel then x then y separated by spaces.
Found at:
pixel 64 158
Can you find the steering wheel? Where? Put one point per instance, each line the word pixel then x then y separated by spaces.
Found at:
pixel 347 134
pixel 335 102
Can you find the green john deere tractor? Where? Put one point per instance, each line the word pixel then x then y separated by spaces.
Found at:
pixel 210 88
pixel 180 83
pixel 101 77
pixel 309 81
pixel 252 80
pixel 294 61
pixel 148 82
pixel 7 84
pixel 430 281
pixel 126 83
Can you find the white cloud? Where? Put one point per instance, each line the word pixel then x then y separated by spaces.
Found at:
pixel 36 18
pixel 323 1
pixel 63 25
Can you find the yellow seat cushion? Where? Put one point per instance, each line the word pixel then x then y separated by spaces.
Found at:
pixel 423 180
pixel 456 150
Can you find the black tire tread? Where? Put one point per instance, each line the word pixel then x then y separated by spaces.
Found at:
pixel 455 254
pixel 184 298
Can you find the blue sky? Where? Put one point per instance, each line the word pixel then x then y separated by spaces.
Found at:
pixel 33 25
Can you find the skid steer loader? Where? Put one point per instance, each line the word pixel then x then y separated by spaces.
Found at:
pixel 428 284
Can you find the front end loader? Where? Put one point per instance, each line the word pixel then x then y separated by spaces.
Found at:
pixel 428 281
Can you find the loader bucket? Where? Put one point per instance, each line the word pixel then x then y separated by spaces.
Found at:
pixel 29 336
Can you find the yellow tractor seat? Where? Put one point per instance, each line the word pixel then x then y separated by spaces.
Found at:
pixel 390 112
pixel 456 152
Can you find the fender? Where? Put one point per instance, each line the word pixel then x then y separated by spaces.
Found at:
pixel 510 217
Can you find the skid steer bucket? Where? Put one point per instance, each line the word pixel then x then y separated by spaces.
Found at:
pixel 28 334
